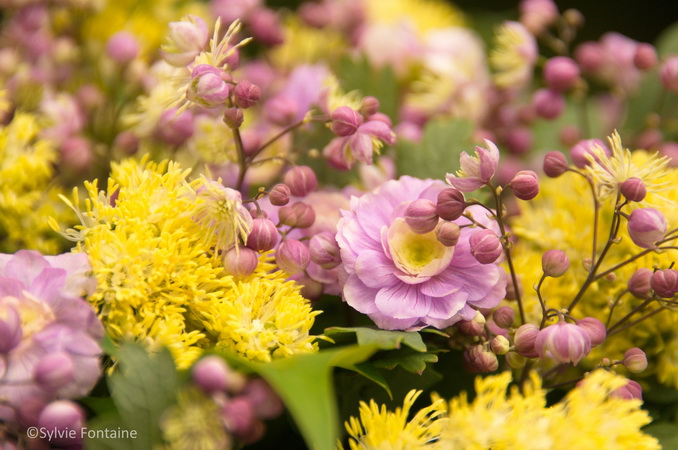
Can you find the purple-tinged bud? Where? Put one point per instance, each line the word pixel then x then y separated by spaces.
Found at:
pixel 595 329
pixel 555 164
pixel 561 73
pixel 66 419
pixel 301 180
pixel 324 250
pixel 421 216
pixel 233 117
pixel 127 142
pixel 207 87
pixel 478 360
pixel 500 345
pixel 10 329
pixel 525 185
pixel 519 140
pixel 548 104
pixel 632 390
pixel 448 233
pixel 281 110
pixel 563 342
pixel 451 204
pixel 345 121
pixel 554 263
pixel 240 263
pixel 635 360
pixel 665 283
pixel 633 189
pixel 54 371
pixel 369 106
pixel 292 256
pixel 246 94
pixel 645 57
pixel 122 47
pixel 280 195
pixel 590 56
pixel 212 374
pixel 266 27
pixel 299 214
pixel 175 129
pixel 515 360
pixel 503 316
pixel 264 235
pixel 579 151
pixel 486 247
pixel 239 415
pixel 266 403
pixel 639 283
pixel 646 226
pixel 475 327
pixel 668 73
pixel 524 340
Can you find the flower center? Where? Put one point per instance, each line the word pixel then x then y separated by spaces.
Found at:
pixel 34 314
pixel 417 254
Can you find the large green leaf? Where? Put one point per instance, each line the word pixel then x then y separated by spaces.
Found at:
pixel 667 43
pixel 357 74
pixel 383 339
pixel 409 360
pixel 666 433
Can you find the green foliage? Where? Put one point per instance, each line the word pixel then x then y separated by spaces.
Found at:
pixel 357 74
pixel 383 339
pixel 666 433
pixel 667 43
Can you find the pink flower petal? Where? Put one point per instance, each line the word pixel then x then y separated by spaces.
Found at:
pixel 402 301
pixel 359 296
pixel 374 269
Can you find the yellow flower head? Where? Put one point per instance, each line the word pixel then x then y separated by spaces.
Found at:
pixel 514 55
pixel 424 15
pixel 306 45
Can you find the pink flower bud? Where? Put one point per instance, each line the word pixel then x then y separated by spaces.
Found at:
pixel 233 117
pixel 299 214
pixel 246 94
pixel 280 195
pixel 475 327
pixel 639 283
pixel 555 263
pixel 264 235
pixel 635 360
pixel 578 152
pixel 266 403
pixel 76 153
pixel 127 142
pixel 10 329
pixel 345 121
pixel 478 360
pixel 645 57
pixel 451 204
pixel 324 250
pixel 122 47
pixel 524 340
pixel 301 180
pixel 561 73
pixel 207 87
pixel 239 415
pixel 292 256
pixel 569 135
pixel 555 164
pixel 54 371
pixel 266 28
pixel 595 329
pixel 66 418
pixel 590 56
pixel 212 374
pixel 548 104
pixel 448 233
pixel 503 316
pixel 646 226
pixel 175 129
pixel 421 216
pixel 519 140
pixel 632 390
pixel 500 345
pixel 525 185
pixel 665 283
pixel 369 106
pixel 281 110
pixel 240 263
pixel 486 247
pixel 633 189
pixel 668 73
pixel 563 342
pixel 511 293
pixel 537 15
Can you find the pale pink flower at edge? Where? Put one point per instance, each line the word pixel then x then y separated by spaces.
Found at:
pixel 403 280
pixel 475 171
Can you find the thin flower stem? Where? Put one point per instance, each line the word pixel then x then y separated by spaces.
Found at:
pixel 629 315
pixel 646 316
pixel 614 305
pixel 242 161
pixel 639 255
pixel 282 133
pixel 541 301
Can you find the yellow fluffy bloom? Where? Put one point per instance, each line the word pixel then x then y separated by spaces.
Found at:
pixel 380 429
pixel 306 45
pixel 424 15
pixel 513 56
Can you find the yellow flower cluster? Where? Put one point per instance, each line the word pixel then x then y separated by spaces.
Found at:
pixel 423 15
pixel 159 280
pixel 513 56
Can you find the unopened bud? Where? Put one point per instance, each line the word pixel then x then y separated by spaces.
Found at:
pixel 564 342
pixel 668 73
pixel 561 73
pixel 233 117
pixel 478 360
pixel 324 250
pixel 486 247
pixel 555 164
pixel 633 189
pixel 595 329
pixel 548 104
pixel 645 57
pixel 646 226
pixel 632 390
pixel 263 236
pixel 500 345
pixel 451 204
pixel 635 360
pixel 639 283
pixel 475 327
pixel 122 47
pixel 503 316
pixel 525 185
pixel 555 263
pixel 511 293
pixel 665 283
pixel 292 256
pixel 239 415
pixel 421 216
pixel 246 94
pixel 578 152
pixel 301 180
pixel 590 56
pixel 212 374
pixel 448 233
pixel 345 121
pixel 54 371
pixel 240 262
pixel 66 419
pixel 266 403
pixel 369 106
pixel 524 340
pixel 299 215
pixel 207 87
pixel 280 195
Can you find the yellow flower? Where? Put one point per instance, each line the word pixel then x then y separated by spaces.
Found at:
pixel 514 55
pixel 306 45
pixel 424 15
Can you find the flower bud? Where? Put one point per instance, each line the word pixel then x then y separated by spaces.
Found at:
pixel 185 40
pixel 299 215
pixel 511 293
pixel 569 135
pixel 563 342
pixel 475 327
pixel 555 263
pixel 525 185
pixel 486 247
pixel 266 27
pixel 478 360
pixel 645 57
pixel 595 329
pixel 668 73
pixel 246 94
pixel 561 73
pixel 665 283
pixel 515 360
pixel 369 105
pixel 500 345
pixel 451 204
pixel 174 129
pixel 524 340
pixel 263 236
pixel 207 87
pixel 632 390
pixel 448 233
pixel 537 15
pixel 66 419
pixel 239 415
pixel 635 360
pixel 421 216
pixel 233 117
pixel 292 256
pixel 266 403
pixel 54 371
pixel 240 262
pixel 579 151
pixel 639 283
pixel 633 189
pixel 646 226
pixel 548 104
pixel 555 164
pixel 324 250
pixel 519 140
pixel 590 56
pixel 345 121
pixel 301 180
pixel 211 374
pixel 122 47
pixel 279 195
pixel 281 110
pixel 503 316
pixel 10 329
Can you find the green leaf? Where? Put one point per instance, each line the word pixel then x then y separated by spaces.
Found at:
pixel 383 339
pixel 100 405
pixel 143 387
pixel 666 433
pixel 412 361
pixel 370 372
pixel 438 152
pixel 357 74
pixel 97 429
pixel 109 347
pixel 667 43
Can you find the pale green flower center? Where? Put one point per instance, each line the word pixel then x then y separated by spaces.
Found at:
pixel 417 254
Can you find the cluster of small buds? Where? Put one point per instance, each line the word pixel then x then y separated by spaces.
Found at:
pixel 244 402
pixel 479 359
pixel 646 226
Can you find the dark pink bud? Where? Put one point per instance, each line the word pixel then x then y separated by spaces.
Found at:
pixel 665 283
pixel 631 391
pixel 299 214
pixel 595 329
pixel 301 180
pixel 280 195
pixel 668 73
pixel 345 121
pixel 646 226
pixel 263 236
pixel 639 283
pixel 233 117
pixel 475 327
pixel 500 345
pixel 292 256
pixel 555 164
pixel 478 360
pixel 66 418
pixel 240 263
pixel 569 135
pixel 645 57
pixel 239 415
pixel 211 374
pixel 555 263
pixel 421 216
pixel 10 329
pixel 635 360
pixel 561 73
pixel 266 28
pixel 369 106
pixel 448 233
pixel 486 247
pixel 503 316
pixel 281 110
pixel 127 142
pixel 266 403
pixel 324 250
pixel 633 189
pixel 122 47
pixel 519 140
pixel 451 204
pixel 578 152
pixel 590 56
pixel 54 371
pixel 563 342
pixel 548 104
pixel 524 340
pixel 525 185
pixel 246 94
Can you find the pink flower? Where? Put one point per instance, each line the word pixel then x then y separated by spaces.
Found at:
pixel 475 172
pixel 367 138
pixel 563 342
pixel 405 280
